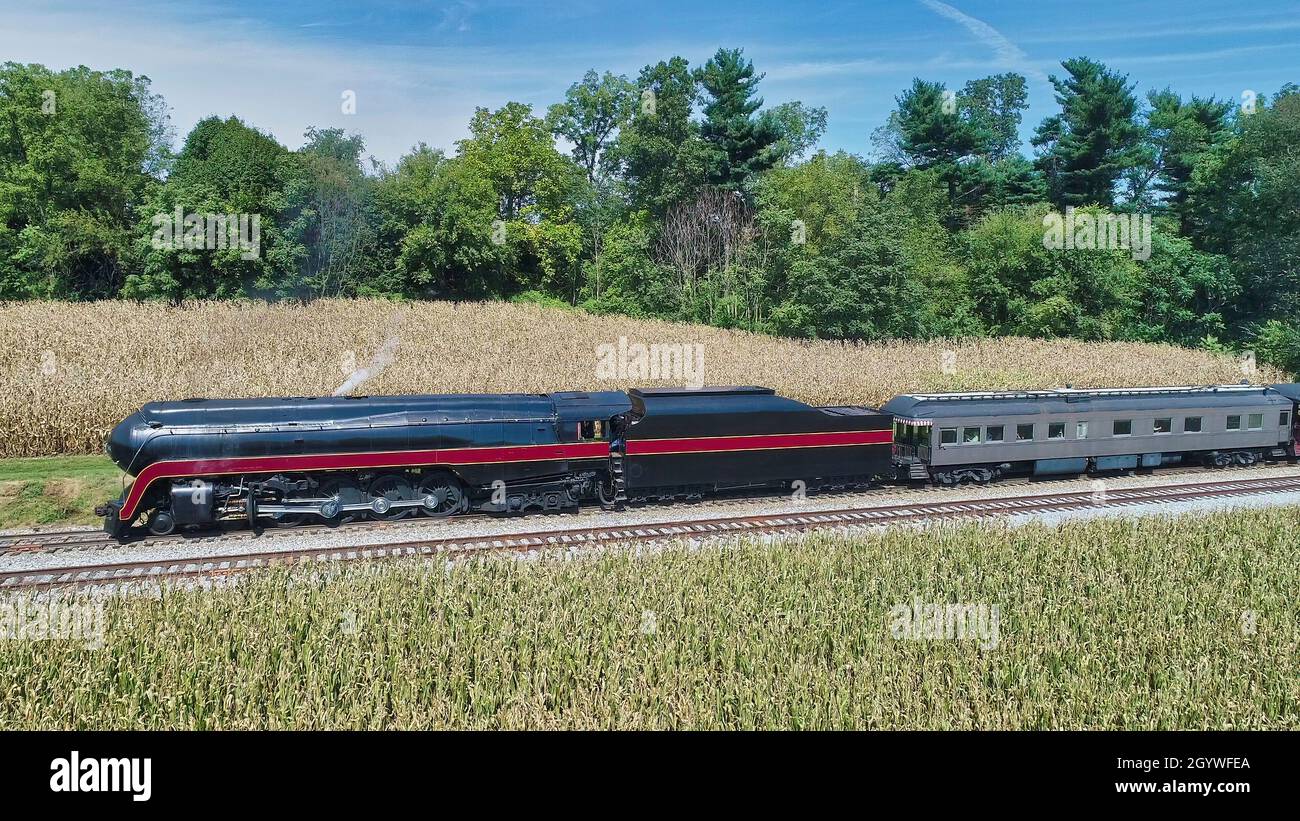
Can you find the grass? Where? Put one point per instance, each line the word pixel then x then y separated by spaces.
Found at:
pixel 70 371
pixel 1150 623
pixel 55 490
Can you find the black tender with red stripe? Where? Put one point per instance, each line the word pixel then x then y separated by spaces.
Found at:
pixel 745 436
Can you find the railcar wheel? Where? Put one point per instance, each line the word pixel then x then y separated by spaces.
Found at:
pixel 395 488
pixel 290 519
pixel 441 493
pixel 343 492
pixel 161 523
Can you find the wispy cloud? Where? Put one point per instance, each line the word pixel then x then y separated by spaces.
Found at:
pixel 1200 56
pixel 1104 34
pixel 1008 53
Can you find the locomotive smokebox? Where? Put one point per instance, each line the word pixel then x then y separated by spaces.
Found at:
pixel 125 441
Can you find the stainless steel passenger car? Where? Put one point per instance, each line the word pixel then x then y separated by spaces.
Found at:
pixel 950 438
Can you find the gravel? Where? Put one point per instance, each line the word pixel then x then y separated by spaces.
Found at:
pixel 472 527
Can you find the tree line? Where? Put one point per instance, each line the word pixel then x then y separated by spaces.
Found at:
pixel 680 194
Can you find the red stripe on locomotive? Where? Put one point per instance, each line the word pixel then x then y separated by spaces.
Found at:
pixel 471 456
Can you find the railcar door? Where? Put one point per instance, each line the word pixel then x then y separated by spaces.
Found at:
pixel 1295 429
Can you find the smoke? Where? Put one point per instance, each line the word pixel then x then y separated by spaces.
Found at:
pixel 382 358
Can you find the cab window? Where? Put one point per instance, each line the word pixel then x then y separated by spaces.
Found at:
pixel 591 431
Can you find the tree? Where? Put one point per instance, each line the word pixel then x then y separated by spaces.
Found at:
pixel 536 191
pixel 438 214
pixel 1186 294
pixel 225 170
pixel 934 133
pixel 332 217
pixel 798 128
pixel 1177 135
pixel 994 106
pixel 861 289
pixel 659 152
pixel 740 143
pixel 1084 150
pixel 1241 203
pixel 1021 288
pixel 78 150
pixel 592 111
pixel 516 152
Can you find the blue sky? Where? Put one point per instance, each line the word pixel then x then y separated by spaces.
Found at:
pixel 418 67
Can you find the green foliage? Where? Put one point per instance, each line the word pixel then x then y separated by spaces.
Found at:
pixel 740 144
pixel 798 128
pixel 659 153
pixel 1094 140
pixel 1117 623
pixel 994 106
pixel 1185 292
pixel 1178 134
pixel 1278 343
pixel 592 111
pixel 1021 287
pixel 439 213
pixel 78 153
pixel 225 168
pixel 685 198
pixel 1242 204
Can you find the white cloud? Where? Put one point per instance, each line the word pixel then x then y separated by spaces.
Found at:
pixel 222 67
pixel 1008 53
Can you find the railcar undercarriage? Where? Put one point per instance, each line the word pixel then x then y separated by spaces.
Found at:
pixel 286 500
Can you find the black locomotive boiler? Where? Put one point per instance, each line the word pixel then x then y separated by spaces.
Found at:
pixel 198 462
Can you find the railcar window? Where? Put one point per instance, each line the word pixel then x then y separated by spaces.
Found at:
pixel 1081 430
pixel 1234 423
pixel 970 436
pixel 1056 430
pixel 1284 418
pixel 1192 424
pixel 993 433
pixel 1123 427
pixel 1165 425
pixel 591 430
pixel 1024 433
pixel 947 436
pixel 1255 422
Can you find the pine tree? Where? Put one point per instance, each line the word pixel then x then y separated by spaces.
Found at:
pixel 740 143
pixel 1085 149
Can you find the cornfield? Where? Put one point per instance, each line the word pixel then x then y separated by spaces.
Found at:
pixel 1156 623
pixel 70 371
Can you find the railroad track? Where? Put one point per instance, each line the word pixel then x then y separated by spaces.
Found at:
pixel 578 539
pixel 52 541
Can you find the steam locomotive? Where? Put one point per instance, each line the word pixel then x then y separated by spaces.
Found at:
pixel 285 461
pixel 282 462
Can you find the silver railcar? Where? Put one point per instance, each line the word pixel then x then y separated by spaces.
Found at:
pixel 950 438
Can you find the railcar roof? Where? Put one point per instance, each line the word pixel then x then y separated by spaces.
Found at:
pixel 1075 401
pixel 330 410
pixel 1291 390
